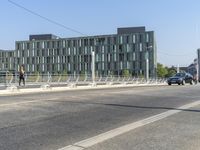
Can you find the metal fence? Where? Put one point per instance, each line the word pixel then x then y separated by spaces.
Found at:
pixel 76 80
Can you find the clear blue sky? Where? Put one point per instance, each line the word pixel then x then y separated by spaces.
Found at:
pixel 175 22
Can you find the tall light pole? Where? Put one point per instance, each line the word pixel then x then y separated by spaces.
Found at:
pixel 93 67
pixel 178 68
pixel 147 63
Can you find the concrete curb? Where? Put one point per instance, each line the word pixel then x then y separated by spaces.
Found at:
pixel 16 91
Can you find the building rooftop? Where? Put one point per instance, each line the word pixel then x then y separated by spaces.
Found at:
pixel 43 37
pixel 128 30
pixel 121 30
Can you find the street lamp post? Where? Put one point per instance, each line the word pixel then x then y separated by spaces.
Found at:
pixel 147 63
pixel 93 68
pixel 147 66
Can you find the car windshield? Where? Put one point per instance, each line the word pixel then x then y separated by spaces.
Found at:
pixel 180 75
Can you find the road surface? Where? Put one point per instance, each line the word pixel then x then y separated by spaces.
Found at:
pixel 168 117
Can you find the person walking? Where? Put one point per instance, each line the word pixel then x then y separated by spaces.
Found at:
pixel 21 75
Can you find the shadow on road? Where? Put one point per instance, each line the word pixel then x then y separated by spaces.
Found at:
pixel 148 107
pixel 133 106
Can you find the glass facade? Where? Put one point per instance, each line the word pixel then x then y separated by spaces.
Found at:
pixel 7 60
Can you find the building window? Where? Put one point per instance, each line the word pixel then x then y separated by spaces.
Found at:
pixel 134 41
pixel 18 46
pixel 48 52
pixel 120 48
pixel 38 60
pixel 33 54
pixel 114 48
pixel 127 39
pixel 69 69
pixel 102 56
pixel 80 42
pixel 38 52
pixel 121 65
pixel 23 47
pixel 43 52
pixel 33 68
pixel 147 37
pixel 108 57
pixel 42 44
pixel 127 48
pixel 85 50
pixel 115 57
pixel 38 45
pixel 121 39
pixel 141 38
pixel 140 47
pixel 103 48
pixel 68 51
pixel 48 44
pixel 33 45
pixel 18 53
pixel 58 59
pixel 128 65
pixel 85 66
pixel 133 56
pixel 91 49
pixel 57 51
pixel 74 51
pixel 28 46
pixel 63 43
pixel 58 67
pixel 102 66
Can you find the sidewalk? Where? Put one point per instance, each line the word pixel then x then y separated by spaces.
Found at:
pixel 13 90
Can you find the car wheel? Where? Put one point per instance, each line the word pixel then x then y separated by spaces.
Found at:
pixel 169 84
pixel 183 82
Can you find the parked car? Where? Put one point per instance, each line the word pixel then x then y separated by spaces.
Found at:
pixel 181 78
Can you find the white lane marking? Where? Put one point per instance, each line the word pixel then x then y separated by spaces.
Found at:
pixel 26 102
pixel 126 128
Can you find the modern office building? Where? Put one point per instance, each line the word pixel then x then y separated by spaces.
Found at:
pixel 127 51
pixel 7 60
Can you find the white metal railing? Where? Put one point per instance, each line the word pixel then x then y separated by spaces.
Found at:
pixel 41 79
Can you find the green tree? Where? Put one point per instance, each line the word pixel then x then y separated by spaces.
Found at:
pixel 126 73
pixel 161 70
pixel 171 72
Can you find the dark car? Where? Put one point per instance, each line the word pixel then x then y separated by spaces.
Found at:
pixel 181 78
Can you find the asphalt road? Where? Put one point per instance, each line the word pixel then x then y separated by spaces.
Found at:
pixel 50 121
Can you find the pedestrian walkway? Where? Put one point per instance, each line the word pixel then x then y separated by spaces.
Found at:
pixel 16 90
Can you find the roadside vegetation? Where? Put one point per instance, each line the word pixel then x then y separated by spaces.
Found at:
pixel 165 72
